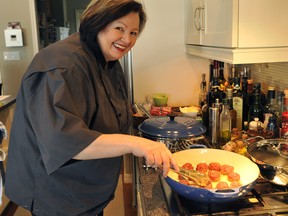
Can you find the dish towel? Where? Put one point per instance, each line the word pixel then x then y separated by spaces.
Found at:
pixel 3 135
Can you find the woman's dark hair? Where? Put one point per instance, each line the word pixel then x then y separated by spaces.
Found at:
pixel 100 13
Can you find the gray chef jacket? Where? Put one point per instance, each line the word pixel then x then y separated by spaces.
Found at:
pixel 66 100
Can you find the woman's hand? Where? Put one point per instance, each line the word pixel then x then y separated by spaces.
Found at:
pixel 155 153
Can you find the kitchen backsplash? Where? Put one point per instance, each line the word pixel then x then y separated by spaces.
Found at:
pixel 274 74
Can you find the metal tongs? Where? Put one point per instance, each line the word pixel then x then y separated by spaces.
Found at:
pixel 198 178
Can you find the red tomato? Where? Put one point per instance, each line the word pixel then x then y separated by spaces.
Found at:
pixel 188 166
pixel 214 175
pixel 225 169
pixel 233 176
pixel 222 185
pixel 214 166
pixel 202 167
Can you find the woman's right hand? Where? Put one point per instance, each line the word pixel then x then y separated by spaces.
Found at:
pixel 155 153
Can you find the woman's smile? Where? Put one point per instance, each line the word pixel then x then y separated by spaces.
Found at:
pixel 119 47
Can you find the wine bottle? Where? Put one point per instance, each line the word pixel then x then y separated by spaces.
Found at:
pixel 238 102
pixel 233 113
pixel 222 80
pixel 256 110
pixel 203 90
pixel 270 106
pixel 245 98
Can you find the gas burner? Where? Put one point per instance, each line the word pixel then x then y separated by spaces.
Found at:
pixel 265 199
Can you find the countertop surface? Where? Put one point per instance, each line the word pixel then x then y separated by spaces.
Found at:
pixel 154 200
pixel 8 101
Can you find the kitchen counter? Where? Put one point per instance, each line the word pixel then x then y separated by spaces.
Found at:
pixel 152 199
pixel 7 102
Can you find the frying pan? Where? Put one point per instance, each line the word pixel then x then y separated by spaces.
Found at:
pixel 271 156
pixel 248 171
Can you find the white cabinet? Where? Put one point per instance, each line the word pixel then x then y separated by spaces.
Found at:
pixel 211 22
pixel 237 31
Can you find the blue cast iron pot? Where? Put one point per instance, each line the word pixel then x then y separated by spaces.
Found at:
pixel 249 172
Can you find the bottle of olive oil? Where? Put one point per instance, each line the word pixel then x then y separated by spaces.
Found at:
pixel 238 102
pixel 225 123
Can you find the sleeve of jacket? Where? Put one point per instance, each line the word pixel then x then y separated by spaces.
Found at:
pixel 60 112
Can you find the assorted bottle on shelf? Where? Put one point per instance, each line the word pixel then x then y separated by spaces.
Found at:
pixel 238 103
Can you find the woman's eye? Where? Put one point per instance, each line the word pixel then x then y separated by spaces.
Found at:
pixel 119 28
pixel 134 33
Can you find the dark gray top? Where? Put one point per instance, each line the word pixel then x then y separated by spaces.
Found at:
pixel 66 100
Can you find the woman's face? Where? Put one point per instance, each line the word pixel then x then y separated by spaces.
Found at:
pixel 117 38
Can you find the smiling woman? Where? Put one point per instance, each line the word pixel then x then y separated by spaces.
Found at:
pixel 73 104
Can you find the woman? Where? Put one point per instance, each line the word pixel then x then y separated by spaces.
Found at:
pixel 72 114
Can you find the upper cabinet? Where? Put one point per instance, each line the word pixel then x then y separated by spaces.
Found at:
pixel 237 31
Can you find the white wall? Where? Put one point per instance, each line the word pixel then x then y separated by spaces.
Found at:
pixel 12 71
pixel 160 61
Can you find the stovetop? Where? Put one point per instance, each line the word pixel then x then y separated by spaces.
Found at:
pixel 265 199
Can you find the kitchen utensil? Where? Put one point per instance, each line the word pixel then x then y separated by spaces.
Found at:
pixel 248 171
pixel 199 179
pixel 146 112
pixel 177 132
pixel 271 156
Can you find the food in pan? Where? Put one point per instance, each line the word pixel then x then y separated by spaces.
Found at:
pixel 225 169
pixel 188 166
pixel 202 167
pixel 214 166
pixel 233 176
pixel 214 175
pixel 222 185
pixel 222 176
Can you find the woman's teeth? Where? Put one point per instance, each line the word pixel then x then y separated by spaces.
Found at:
pixel 119 46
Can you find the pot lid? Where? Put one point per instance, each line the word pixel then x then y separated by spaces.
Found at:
pixel 172 127
pixel 273 152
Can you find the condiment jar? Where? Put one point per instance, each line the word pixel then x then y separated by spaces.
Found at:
pixel 256 124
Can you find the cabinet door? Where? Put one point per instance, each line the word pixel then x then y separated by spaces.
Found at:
pixel 263 23
pixel 193 21
pixel 211 23
pixel 221 23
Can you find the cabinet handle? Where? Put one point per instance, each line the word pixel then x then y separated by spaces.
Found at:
pixel 202 19
pixel 197 11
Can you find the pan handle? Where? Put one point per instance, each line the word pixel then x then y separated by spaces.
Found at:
pixel 225 193
pixel 252 138
pixel 193 146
